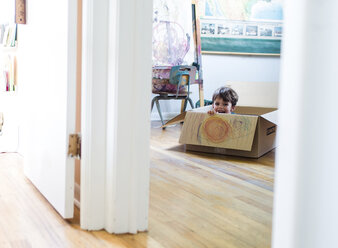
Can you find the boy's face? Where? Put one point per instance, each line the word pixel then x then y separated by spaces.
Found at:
pixel 221 106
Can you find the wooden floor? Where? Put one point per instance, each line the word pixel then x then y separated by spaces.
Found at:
pixel 196 200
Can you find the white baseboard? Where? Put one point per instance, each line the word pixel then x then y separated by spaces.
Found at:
pixel 166 115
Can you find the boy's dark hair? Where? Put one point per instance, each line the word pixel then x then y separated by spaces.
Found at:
pixel 227 94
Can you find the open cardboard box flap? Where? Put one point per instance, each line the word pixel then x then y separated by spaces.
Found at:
pixel 271 116
pixel 177 119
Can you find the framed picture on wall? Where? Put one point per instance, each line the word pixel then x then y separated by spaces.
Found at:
pixel 253 27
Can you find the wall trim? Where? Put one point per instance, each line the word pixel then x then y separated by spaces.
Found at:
pixel 165 115
pixel 115 151
pixel 93 114
pixel 127 173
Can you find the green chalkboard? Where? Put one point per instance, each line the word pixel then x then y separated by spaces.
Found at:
pixel 242 45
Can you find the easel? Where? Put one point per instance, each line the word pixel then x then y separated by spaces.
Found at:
pixel 198 54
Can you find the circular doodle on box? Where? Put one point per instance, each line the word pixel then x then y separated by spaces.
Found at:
pixel 216 129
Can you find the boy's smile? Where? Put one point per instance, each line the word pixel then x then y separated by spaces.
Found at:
pixel 221 106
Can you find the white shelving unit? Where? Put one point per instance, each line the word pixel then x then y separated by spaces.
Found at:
pixel 9 106
pixel 9 100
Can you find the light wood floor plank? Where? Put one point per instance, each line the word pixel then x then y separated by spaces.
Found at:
pixel 196 200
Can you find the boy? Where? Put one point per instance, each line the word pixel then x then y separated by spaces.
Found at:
pixel 224 100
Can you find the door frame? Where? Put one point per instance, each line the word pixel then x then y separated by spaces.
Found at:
pixel 115 118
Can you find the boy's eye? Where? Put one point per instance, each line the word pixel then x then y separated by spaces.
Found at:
pixel 217 103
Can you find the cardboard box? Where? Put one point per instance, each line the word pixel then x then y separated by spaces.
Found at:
pixel 251 132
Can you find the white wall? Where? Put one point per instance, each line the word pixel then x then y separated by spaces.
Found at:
pixel 7 9
pixel 305 190
pixel 220 69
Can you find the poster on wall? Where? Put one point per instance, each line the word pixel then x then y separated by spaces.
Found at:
pixel 172 33
pixel 241 26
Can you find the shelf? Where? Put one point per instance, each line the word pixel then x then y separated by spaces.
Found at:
pixel 8 93
pixel 8 49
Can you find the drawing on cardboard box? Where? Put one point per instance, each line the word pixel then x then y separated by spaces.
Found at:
pixel 216 129
pixel 221 130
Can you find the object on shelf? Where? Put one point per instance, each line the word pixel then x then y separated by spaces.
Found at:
pixel 7 73
pixel 8 35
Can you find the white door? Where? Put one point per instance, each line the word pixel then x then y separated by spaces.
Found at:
pixel 47 84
